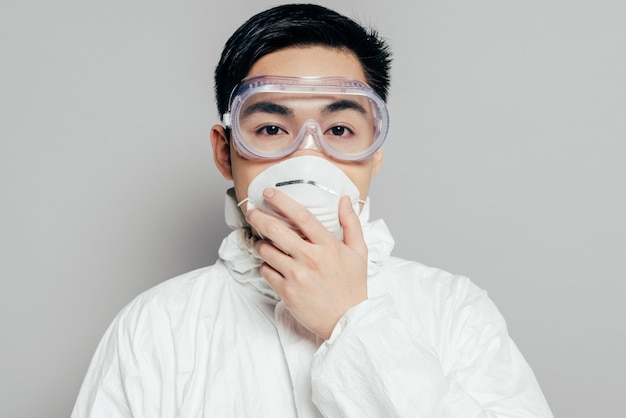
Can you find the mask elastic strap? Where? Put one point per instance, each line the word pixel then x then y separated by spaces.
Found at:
pixel 361 203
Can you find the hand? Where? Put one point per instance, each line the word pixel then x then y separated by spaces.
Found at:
pixel 318 277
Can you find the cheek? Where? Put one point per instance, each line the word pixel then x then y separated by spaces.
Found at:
pixel 361 176
pixel 244 171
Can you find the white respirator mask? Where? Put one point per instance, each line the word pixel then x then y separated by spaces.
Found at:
pixel 314 182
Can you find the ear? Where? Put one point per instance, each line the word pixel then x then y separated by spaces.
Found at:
pixel 221 151
pixel 377 161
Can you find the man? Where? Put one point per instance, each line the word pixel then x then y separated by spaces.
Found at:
pixel 306 313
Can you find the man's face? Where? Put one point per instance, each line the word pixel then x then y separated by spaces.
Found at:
pixel 305 61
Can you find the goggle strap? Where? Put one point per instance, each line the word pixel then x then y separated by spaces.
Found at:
pixel 227 120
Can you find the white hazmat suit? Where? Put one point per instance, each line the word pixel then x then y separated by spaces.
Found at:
pixel 217 342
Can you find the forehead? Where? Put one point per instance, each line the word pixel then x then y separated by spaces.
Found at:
pixel 309 61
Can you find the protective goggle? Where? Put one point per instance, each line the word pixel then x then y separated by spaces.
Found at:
pixel 272 116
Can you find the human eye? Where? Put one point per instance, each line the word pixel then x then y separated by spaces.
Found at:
pixel 269 130
pixel 340 131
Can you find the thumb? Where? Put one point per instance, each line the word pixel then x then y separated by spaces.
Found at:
pixel 352 232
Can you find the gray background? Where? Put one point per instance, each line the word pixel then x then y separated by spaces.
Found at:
pixel 505 162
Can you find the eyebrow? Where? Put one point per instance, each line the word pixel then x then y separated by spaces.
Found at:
pixel 343 105
pixel 267 107
pixel 273 108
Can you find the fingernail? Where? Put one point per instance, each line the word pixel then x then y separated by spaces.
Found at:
pixel 268 193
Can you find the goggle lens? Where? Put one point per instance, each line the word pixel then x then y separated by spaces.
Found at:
pixel 271 121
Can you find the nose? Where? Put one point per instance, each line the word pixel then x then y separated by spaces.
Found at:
pixel 310 136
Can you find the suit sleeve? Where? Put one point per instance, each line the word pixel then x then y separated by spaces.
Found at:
pixel 375 365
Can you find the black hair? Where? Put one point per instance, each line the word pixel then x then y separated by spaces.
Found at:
pixel 294 25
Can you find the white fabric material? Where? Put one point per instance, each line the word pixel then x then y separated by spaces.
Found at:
pixel 218 342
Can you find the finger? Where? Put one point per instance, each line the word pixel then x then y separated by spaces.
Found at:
pixel 305 222
pixel 273 229
pixel 277 258
pixel 352 231
pixel 273 278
